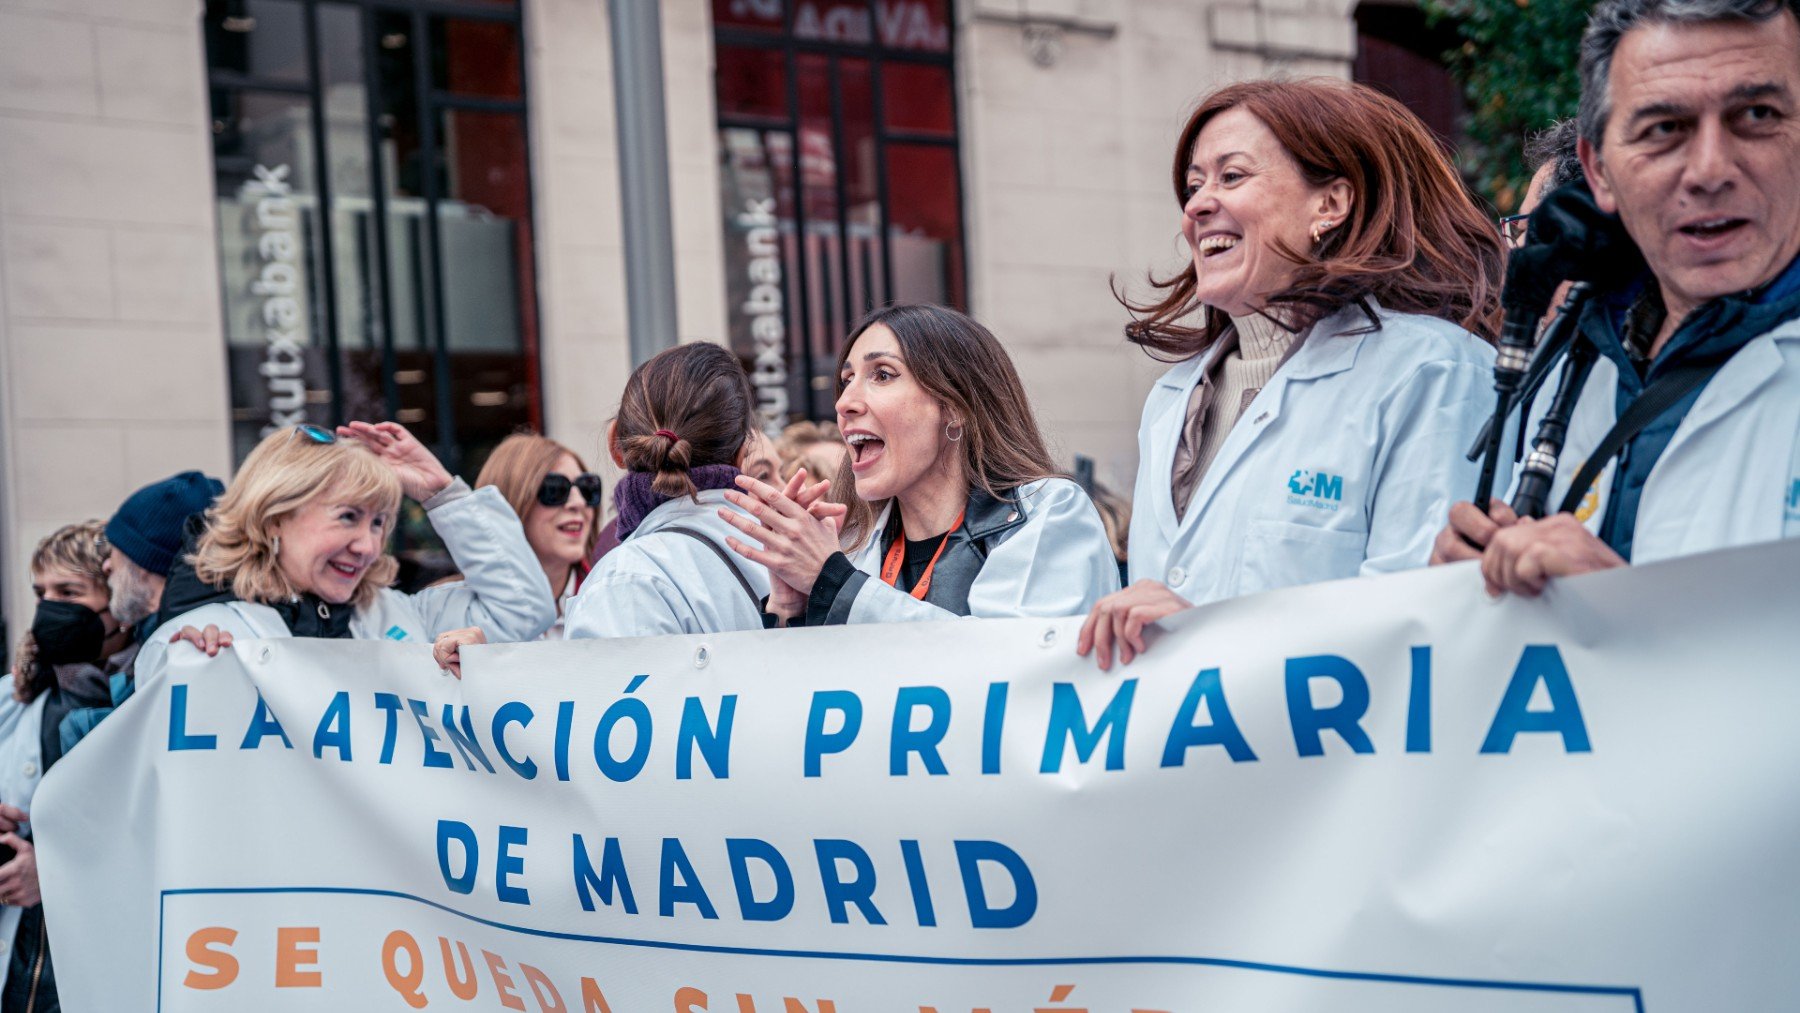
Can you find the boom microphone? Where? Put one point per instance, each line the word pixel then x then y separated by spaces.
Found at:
pixel 1567 239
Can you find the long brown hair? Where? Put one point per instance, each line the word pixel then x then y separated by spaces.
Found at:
pixel 1415 240
pixel 517 468
pixel 700 393
pixel 962 365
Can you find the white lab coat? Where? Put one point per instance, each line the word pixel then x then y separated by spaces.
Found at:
pixel 1730 474
pixel 1346 463
pixel 21 768
pixel 660 581
pixel 1057 563
pixel 503 590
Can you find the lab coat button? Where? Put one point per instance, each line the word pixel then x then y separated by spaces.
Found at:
pixel 1177 577
pixel 31 770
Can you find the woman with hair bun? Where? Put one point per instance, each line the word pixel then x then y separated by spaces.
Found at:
pixel 682 434
pixel 1331 336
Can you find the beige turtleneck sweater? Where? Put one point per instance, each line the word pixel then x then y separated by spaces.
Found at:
pixel 1255 348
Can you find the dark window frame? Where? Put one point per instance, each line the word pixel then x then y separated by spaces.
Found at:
pixel 877 53
pixel 432 102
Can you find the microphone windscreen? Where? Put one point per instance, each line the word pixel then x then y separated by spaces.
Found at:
pixel 1568 239
pixel 1586 243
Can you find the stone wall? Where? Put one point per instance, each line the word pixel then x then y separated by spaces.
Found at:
pixel 112 364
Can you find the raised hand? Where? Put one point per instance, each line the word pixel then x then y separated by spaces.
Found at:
pixel 421 475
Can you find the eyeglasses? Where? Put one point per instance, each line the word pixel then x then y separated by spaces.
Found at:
pixel 1512 229
pixel 317 434
pixel 554 491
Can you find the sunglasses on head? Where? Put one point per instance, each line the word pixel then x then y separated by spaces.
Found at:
pixel 554 491
pixel 315 434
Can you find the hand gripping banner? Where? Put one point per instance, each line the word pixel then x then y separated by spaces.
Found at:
pixel 1391 794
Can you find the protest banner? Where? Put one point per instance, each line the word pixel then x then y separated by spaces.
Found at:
pixel 1391 794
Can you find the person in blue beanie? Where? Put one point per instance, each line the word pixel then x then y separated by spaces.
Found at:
pixel 145 538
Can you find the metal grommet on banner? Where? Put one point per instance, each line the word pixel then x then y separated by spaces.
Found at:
pixel 1048 638
pixel 701 656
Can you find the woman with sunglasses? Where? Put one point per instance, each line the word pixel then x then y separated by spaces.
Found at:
pixel 558 501
pixel 297 547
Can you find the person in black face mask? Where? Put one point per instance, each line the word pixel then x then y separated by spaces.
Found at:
pixel 75 646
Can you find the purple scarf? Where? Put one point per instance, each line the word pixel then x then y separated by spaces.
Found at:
pixel 634 498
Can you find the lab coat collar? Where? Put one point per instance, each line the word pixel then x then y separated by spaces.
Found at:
pixel 1333 343
pixel 1753 367
pixel 1329 347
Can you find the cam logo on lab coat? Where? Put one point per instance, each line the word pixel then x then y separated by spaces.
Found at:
pixel 1321 490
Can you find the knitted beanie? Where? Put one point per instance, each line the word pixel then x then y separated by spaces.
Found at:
pixel 147 526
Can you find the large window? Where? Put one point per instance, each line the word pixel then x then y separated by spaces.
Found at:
pixel 841 179
pixel 374 214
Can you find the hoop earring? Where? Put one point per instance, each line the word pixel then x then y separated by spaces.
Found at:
pixel 277 549
pixel 958 426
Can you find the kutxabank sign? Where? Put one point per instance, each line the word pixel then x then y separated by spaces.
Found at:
pixel 1391 794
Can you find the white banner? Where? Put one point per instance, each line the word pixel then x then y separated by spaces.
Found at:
pixel 1390 794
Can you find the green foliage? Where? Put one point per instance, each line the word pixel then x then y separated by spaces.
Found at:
pixel 1517 66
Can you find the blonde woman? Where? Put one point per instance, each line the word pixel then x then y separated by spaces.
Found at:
pixel 297 547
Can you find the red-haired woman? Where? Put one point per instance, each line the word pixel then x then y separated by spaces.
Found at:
pixel 1345 292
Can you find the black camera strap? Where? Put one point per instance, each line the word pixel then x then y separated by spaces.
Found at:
pixel 1647 407
pixel 743 582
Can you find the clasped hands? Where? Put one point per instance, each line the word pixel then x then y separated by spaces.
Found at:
pixel 797 529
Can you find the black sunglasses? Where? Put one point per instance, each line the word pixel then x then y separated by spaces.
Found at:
pixel 555 490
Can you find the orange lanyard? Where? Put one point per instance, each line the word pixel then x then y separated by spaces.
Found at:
pixel 896 555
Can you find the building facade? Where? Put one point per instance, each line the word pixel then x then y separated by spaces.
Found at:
pixel 218 216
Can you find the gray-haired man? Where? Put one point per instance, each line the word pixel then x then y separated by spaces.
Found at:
pixel 1690 130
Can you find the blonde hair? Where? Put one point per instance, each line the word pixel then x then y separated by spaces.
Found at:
pixel 80 549
pixel 288 471
pixel 801 444
pixel 77 548
pixel 517 468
